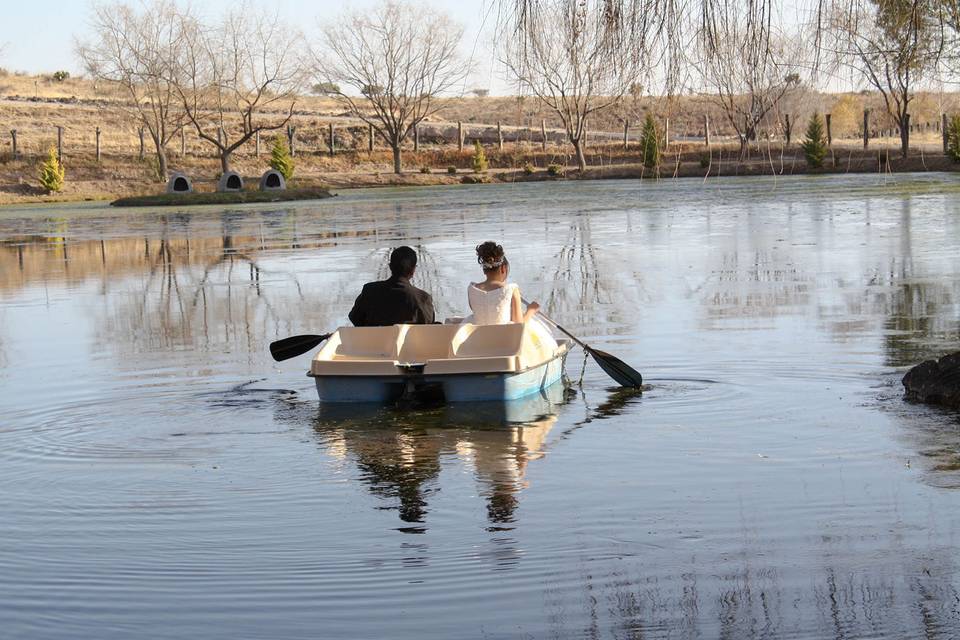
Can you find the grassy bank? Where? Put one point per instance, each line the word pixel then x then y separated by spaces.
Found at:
pixel 128 178
pixel 35 107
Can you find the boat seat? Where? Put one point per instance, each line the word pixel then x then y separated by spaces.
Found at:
pixel 368 342
pixel 486 340
pixel 423 342
pixel 482 364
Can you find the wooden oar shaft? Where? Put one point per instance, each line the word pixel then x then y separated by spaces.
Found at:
pixel 620 371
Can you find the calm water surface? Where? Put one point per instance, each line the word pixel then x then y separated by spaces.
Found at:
pixel 162 477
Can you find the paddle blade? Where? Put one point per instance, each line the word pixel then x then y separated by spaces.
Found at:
pixel 624 374
pixel 294 346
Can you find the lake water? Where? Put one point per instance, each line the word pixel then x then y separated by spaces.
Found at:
pixel 162 477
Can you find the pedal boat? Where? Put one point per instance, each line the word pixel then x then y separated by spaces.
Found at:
pixel 439 362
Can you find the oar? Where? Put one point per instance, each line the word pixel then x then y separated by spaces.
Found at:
pixel 295 345
pixel 624 374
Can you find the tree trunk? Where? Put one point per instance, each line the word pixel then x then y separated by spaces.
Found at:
pixel 396 158
pixel 161 159
pixel 162 164
pixel 225 161
pixel 581 159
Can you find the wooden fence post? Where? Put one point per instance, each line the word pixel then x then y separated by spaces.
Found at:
pixel 291 131
pixel 98 145
pixel 499 136
pixel 543 134
pixel 370 138
pixel 459 135
pixel 13 136
pixel 256 149
pixel 331 140
pixel 142 154
pixel 666 133
pixel 59 144
pixel 626 126
pixel 706 129
pixel 416 138
pixel 788 128
pixel 943 131
pixel 829 131
pixel 866 128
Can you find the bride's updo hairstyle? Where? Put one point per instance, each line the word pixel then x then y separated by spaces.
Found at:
pixel 490 256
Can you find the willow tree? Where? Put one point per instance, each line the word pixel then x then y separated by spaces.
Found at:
pixel 576 63
pixel 388 66
pixel 892 46
pixel 748 65
pixel 134 52
pixel 238 78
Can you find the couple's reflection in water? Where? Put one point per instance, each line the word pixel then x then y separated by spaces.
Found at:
pixel 399 452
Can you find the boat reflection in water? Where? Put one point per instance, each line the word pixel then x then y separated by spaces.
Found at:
pixel 399 451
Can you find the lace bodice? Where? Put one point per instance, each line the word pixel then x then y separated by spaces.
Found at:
pixel 491 307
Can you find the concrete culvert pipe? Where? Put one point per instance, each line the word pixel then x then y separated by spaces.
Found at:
pixel 272 181
pixel 230 181
pixel 179 183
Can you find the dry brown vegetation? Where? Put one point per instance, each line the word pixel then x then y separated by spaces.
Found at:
pixel 35 106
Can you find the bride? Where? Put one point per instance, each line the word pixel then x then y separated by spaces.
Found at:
pixel 496 301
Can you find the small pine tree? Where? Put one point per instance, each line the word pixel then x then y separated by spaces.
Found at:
pixel 814 145
pixel 650 143
pixel 280 159
pixel 953 138
pixel 51 172
pixel 479 158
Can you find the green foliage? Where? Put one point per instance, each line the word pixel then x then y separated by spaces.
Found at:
pixel 280 159
pixel 326 89
pixel 424 169
pixel 528 169
pixel 479 158
pixel 814 144
pixel 953 138
pixel 451 169
pixel 650 143
pixel 476 179
pixel 60 76
pixel 554 170
pixel 51 172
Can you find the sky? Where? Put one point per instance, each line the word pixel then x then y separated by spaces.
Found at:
pixel 36 38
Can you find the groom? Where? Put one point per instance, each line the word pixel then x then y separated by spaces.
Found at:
pixel 394 300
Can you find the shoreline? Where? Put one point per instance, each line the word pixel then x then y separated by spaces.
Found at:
pixel 843 162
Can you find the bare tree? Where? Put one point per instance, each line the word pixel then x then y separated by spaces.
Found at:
pixel 239 78
pixel 748 65
pixel 574 64
pixel 399 58
pixel 134 50
pixel 893 46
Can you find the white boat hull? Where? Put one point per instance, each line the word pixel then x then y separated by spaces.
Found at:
pixel 469 387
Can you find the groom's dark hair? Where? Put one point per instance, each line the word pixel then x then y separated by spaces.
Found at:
pixel 403 262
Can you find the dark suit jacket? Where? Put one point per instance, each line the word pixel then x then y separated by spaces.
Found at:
pixel 392 301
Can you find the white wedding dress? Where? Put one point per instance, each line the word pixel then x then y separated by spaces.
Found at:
pixel 493 307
